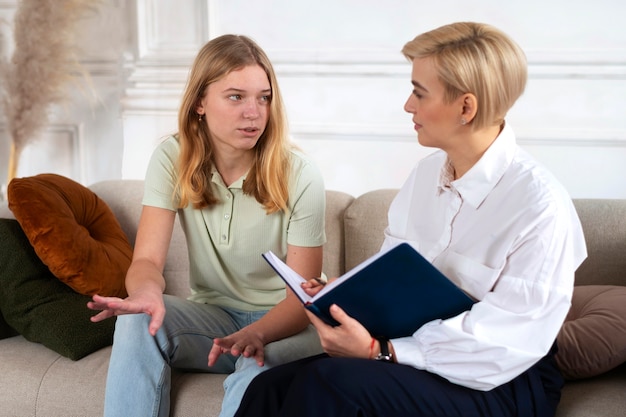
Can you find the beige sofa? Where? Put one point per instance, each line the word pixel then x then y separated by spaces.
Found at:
pixel 35 381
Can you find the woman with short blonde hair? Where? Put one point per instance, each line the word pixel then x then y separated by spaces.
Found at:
pixel 477 59
pixel 491 219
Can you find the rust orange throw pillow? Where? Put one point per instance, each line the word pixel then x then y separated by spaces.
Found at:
pixel 73 232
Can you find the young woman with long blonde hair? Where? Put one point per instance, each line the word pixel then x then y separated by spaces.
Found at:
pixel 240 188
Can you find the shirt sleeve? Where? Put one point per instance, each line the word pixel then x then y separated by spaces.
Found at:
pixel 307 203
pixel 161 176
pixel 513 325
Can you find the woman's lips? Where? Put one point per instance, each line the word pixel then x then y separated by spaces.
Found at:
pixel 249 131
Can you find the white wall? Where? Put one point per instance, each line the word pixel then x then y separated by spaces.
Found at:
pixel 345 82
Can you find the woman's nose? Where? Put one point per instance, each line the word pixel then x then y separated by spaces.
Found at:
pixel 408 105
pixel 251 110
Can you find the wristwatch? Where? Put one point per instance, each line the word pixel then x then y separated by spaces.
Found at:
pixel 384 355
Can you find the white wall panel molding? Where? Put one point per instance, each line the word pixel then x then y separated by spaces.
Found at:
pixel 558 66
pixel 580 71
pixel 344 69
pixel 346 132
pixel 607 64
pixel 345 84
pixel 168 36
pixel 154 89
pixel 101 68
pixel 395 133
pixel 59 149
pixel 598 56
pixel 562 138
pixel 150 101
pixel 572 143
pixel 572 137
pixel 170 30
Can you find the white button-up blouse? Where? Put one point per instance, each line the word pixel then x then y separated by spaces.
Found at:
pixel 507 233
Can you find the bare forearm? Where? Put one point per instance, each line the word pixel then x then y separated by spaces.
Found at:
pixel 285 319
pixel 143 275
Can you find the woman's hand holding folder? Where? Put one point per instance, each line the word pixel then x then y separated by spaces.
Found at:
pixel 349 339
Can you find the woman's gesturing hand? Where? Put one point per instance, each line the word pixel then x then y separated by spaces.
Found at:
pixel 244 342
pixel 140 302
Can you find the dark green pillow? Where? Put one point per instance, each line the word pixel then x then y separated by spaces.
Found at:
pixel 39 306
pixel 5 329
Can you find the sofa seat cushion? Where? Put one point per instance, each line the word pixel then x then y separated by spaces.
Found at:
pixel 73 231
pixel 600 396
pixel 593 338
pixel 39 306
pixel 38 382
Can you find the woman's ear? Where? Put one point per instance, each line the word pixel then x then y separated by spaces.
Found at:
pixel 199 107
pixel 469 107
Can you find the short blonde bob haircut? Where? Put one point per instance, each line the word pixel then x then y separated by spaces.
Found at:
pixel 478 59
pixel 267 178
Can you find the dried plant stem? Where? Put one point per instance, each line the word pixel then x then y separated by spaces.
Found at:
pixel 42 63
pixel 14 156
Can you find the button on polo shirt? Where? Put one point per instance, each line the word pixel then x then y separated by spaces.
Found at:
pixel 227 206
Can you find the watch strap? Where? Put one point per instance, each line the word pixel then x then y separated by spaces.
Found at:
pixel 384 354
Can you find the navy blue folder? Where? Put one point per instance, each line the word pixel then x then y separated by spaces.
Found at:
pixel 392 294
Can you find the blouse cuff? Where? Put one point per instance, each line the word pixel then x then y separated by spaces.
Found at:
pixel 408 352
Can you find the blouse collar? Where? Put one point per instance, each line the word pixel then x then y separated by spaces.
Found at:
pixel 478 182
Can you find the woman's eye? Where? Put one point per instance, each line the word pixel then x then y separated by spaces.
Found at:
pixel 266 98
pixel 235 97
pixel 416 94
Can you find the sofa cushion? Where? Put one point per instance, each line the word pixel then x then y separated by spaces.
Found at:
pixel 73 231
pixel 593 337
pixel 39 306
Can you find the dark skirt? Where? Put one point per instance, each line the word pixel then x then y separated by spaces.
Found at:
pixel 321 386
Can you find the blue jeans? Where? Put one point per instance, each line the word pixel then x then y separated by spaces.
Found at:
pixel 139 376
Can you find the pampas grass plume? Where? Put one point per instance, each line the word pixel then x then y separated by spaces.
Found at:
pixel 43 61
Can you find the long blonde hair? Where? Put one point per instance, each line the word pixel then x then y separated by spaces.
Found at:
pixel 267 178
pixel 475 58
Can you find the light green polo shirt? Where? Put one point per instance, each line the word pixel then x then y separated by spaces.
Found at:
pixel 225 242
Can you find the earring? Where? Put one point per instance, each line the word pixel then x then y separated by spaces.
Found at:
pixel 199 117
pixel 463 121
